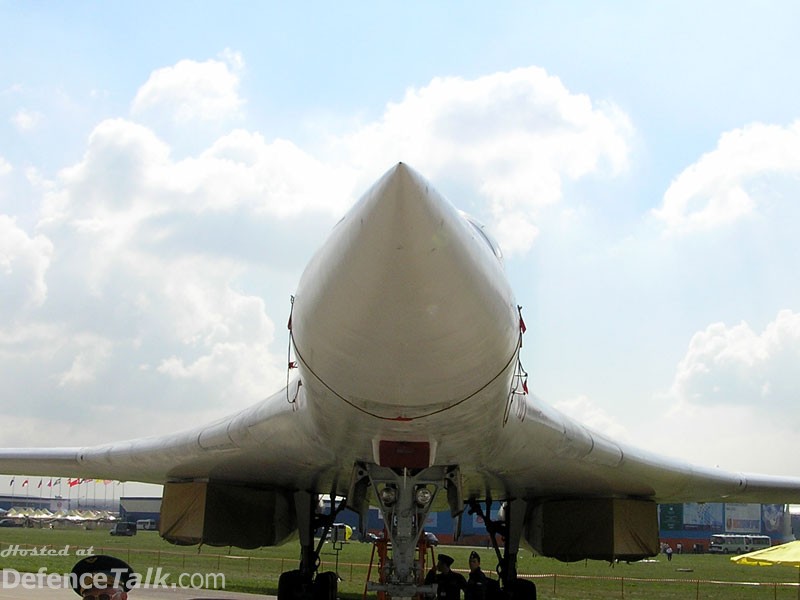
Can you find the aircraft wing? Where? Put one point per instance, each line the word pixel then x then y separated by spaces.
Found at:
pixel 407 338
pixel 598 465
pixel 545 454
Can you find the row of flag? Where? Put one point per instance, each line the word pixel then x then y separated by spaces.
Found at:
pixel 70 482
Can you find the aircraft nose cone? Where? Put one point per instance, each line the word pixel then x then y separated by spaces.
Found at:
pixel 404 305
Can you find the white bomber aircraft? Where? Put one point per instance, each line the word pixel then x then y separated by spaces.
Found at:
pixel 408 393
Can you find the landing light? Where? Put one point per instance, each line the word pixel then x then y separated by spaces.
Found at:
pixel 388 495
pixel 424 496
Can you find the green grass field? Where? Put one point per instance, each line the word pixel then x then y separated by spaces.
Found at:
pixel 686 576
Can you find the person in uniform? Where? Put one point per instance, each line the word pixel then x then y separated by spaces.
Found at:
pixel 102 577
pixel 448 583
pixel 476 582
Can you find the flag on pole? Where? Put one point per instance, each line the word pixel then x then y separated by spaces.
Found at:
pixel 40 484
pixel 24 483
pixel 12 482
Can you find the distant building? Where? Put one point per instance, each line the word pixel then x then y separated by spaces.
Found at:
pixel 134 509
pixel 692 524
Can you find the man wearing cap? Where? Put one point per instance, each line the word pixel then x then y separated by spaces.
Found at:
pixel 102 577
pixel 476 583
pixel 448 583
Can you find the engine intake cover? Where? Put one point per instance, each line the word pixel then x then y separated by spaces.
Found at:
pixel 224 514
pixel 597 528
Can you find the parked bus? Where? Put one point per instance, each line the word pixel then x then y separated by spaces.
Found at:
pixel 146 524
pixel 738 543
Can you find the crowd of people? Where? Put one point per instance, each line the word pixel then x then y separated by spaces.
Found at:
pixel 450 584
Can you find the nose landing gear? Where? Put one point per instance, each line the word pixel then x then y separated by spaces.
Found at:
pixel 405 498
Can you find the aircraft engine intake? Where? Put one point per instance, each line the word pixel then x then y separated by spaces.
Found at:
pixel 217 514
pixel 596 528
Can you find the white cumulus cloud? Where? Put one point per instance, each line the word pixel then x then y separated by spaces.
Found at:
pixel 192 90
pixel 737 365
pixel 24 261
pixel 25 119
pixel 738 388
pixel 275 178
pixel 5 167
pixel 128 175
pixel 727 184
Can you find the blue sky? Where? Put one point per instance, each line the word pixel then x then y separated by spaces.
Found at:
pixel 166 169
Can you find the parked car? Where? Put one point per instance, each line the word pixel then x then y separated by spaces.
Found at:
pixel 10 523
pixel 123 528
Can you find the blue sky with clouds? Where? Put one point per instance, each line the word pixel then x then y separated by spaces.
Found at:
pixel 166 169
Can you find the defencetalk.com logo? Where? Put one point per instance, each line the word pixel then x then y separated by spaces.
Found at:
pixel 152 578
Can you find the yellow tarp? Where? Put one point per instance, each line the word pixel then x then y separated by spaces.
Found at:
pixel 785 554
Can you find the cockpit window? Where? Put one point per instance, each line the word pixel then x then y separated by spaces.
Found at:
pixel 480 228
